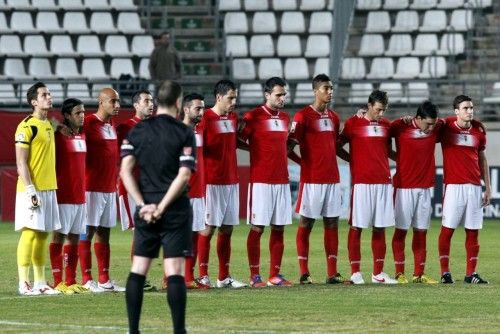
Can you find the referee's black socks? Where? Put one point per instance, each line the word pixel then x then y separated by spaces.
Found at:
pixel 176 297
pixel 134 294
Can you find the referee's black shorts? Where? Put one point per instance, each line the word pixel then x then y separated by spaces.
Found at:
pixel 173 232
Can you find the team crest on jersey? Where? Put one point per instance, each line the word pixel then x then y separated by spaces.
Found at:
pixel 417 133
pixel 20 137
pixel 225 126
pixel 294 125
pixel 275 125
pixel 376 131
pixel 465 139
pixel 79 145
pixel 199 140
pixel 108 132
pixel 325 124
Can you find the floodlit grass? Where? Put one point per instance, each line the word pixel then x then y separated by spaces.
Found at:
pixel 316 308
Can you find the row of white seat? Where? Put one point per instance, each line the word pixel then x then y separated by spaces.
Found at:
pixel 277 5
pixel 86 45
pixel 73 22
pixel 67 4
pixel 292 69
pixel 67 68
pixel 286 46
pixel 408 21
pixel 266 22
pixel 402 45
pixel 383 68
pixel 419 4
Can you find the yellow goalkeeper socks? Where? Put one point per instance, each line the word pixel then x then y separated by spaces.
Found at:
pixel 24 250
pixel 39 256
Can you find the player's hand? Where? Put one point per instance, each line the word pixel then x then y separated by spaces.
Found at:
pixel 361 112
pixel 146 213
pixel 486 198
pixel 407 119
pixel 64 129
pixel 33 197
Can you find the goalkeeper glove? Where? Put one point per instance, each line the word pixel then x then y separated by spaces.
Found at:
pixel 34 199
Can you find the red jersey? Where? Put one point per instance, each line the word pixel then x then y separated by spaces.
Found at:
pixel 461 149
pixel 267 132
pixel 122 131
pixel 102 155
pixel 368 149
pixel 415 163
pixel 197 181
pixel 70 168
pixel 317 135
pixel 219 147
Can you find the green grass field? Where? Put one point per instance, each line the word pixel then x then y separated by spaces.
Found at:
pixel 316 308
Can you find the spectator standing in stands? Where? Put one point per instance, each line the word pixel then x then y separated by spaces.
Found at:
pixel 165 150
pixel 100 185
pixel 70 169
pixel 164 62
pixel 463 141
pixel 36 200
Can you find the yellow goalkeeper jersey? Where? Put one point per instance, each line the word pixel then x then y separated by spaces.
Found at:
pixel 37 136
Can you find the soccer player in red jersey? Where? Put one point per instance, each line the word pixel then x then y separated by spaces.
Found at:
pixel 269 200
pixel 413 181
pixel 315 129
pixel 463 141
pixel 221 177
pixel 371 196
pixel 193 106
pixel 143 105
pixel 100 185
pixel 70 171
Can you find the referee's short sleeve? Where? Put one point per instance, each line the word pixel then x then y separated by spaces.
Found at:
pixel 127 145
pixel 188 154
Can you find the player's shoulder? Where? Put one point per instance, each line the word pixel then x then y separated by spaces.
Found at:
pixel 478 125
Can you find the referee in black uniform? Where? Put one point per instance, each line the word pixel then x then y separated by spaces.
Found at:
pixel 164 148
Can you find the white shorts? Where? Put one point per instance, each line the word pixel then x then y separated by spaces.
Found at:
pixel 412 208
pixel 198 205
pixel 223 205
pixel 127 210
pixel 462 205
pixel 44 218
pixel 372 205
pixel 319 200
pixel 72 218
pixel 269 204
pixel 101 209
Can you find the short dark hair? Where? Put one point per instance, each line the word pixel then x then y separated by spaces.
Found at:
pixel 378 96
pixel 274 81
pixel 137 95
pixel 168 93
pixel 319 79
pixel 32 92
pixel 459 99
pixel 190 97
pixel 67 107
pixel 427 110
pixel 223 87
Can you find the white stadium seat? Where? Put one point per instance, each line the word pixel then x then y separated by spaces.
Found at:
pixel 144 69
pixel 434 20
pixel 47 22
pixel 8 94
pixel 61 45
pixel 451 44
pixel 312 5
pixel 359 92
pixel 461 20
pixel 293 22
pixel 40 68
pixel 129 23
pixel 417 92
pixel 235 23
pixel 368 4
pixel 261 46
pixel 121 66
pixel 399 45
pixel 255 5
pixel 10 45
pixel 288 46
pixel 425 44
pixel 381 68
pixel 14 68
pixel 244 68
pixel 322 65
pixel 433 67
pixel 353 68
pixel 371 45
pixel 317 46
pixel 22 22
pixel 250 93
pixel 450 4
pixel 102 23
pixel 264 22
pixel 378 22
pixel 270 67
pixel 93 68
pixel 284 5
pixel 296 69
pixel 394 91
pixel 35 45
pixel 89 45
pixel 142 45
pixel 320 22
pixel 66 68
pixel 116 46
pixel 228 5
pixel 75 23
pixel 406 21
pixel 423 4
pixel 407 68
pixel 303 93
pixel 395 4
pixel 236 46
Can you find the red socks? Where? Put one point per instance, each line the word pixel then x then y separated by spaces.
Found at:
pixel 444 248
pixel 70 256
pixel 253 251
pixel 331 242
pixel 56 262
pixel 398 249
pixel 419 248
pixel 191 260
pixel 378 250
pixel 302 241
pixel 224 254
pixel 472 250
pixel 276 247
pixel 354 249
pixel 103 254
pixel 85 256
pixel 203 254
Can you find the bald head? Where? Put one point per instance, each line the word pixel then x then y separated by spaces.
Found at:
pixel 109 103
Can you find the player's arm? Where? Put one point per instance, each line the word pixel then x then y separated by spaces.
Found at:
pixel 127 176
pixel 485 175
pixel 242 136
pixel 341 151
pixel 22 154
pixel 392 152
pixel 174 191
